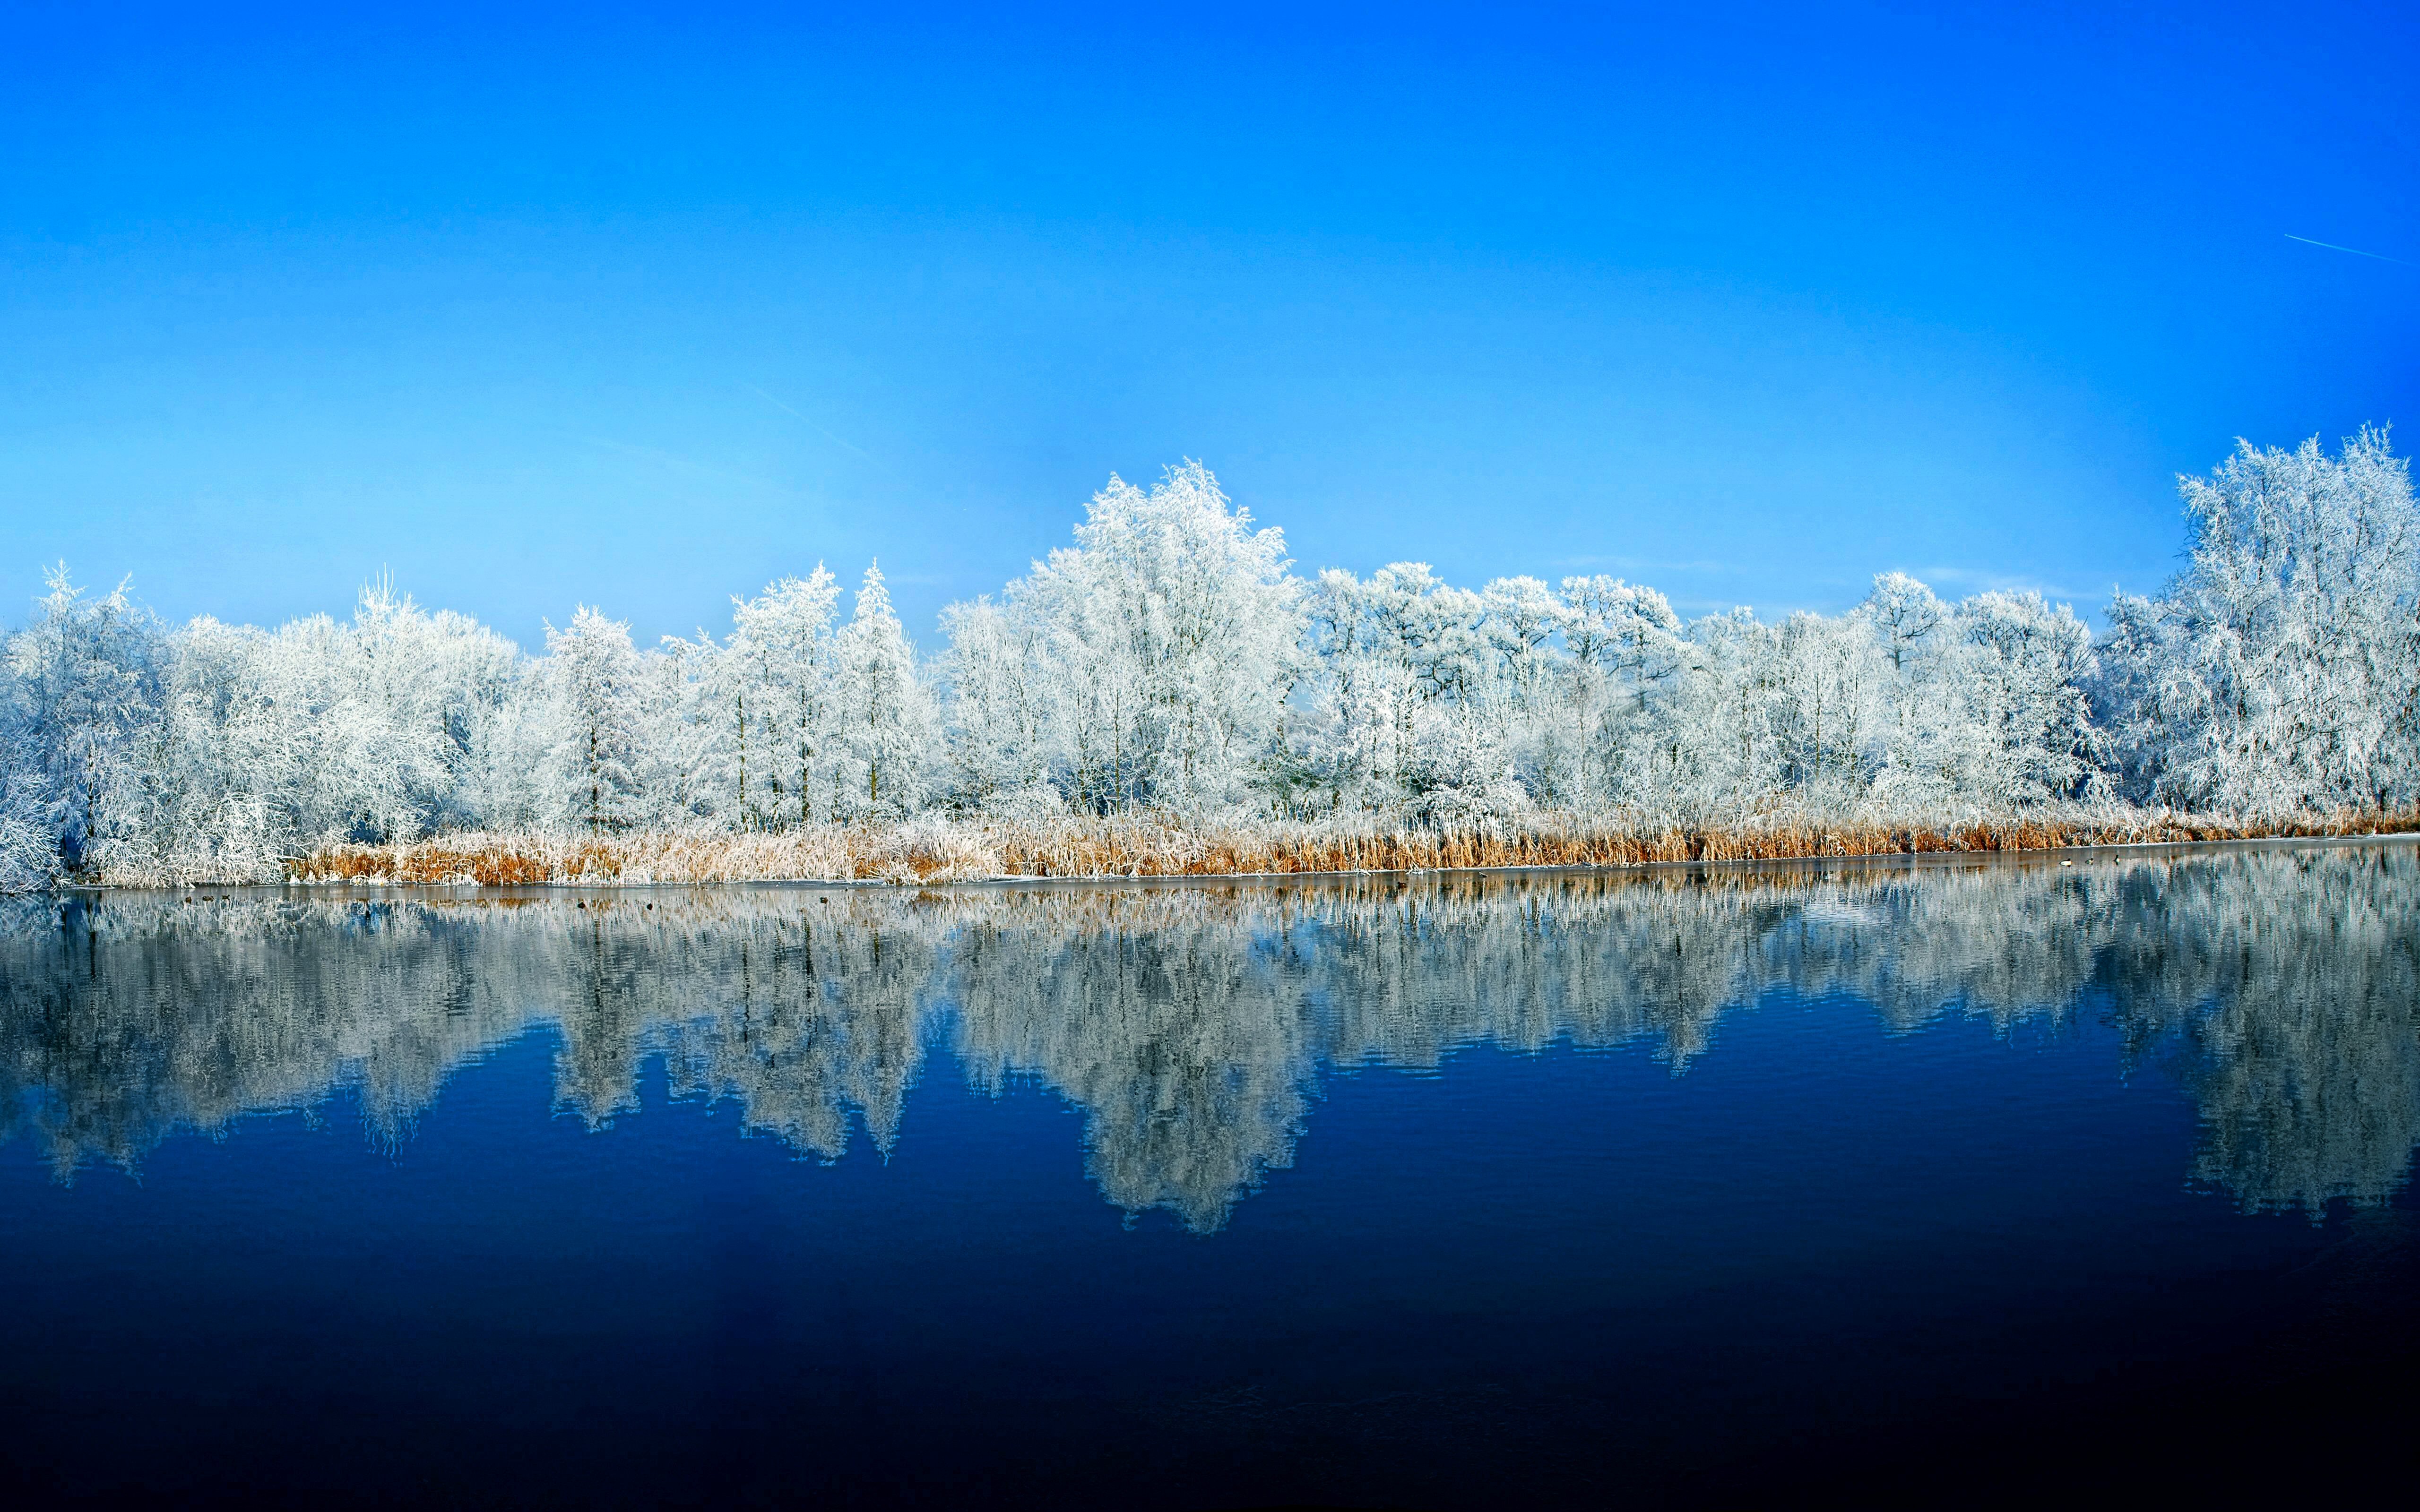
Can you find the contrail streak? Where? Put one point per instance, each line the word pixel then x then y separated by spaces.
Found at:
pixel 2355 251
pixel 804 421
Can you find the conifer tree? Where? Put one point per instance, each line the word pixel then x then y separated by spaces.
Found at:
pixel 778 671
pixel 596 725
pixel 886 712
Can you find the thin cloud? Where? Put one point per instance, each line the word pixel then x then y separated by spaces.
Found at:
pixel 804 421
pixel 679 463
pixel 2355 251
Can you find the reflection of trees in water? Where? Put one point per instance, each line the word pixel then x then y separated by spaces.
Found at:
pixel 2288 1006
pixel 121 1021
pixel 800 1012
pixel 1175 1022
pixel 1189 1023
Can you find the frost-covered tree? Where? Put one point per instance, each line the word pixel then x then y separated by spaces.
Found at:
pixel 1830 723
pixel 2024 667
pixel 777 675
pixel 1627 648
pixel 596 725
pixel 29 851
pixel 887 724
pixel 1720 724
pixel 88 675
pixel 681 710
pixel 1917 770
pixel 1522 618
pixel 401 703
pixel 1168 659
pixel 1906 615
pixel 1002 728
pixel 2281 670
pixel 1166 631
pixel 1405 669
pixel 1524 622
pixel 218 799
pixel 1338 727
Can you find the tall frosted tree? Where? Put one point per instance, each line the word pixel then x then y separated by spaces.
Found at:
pixel 1829 722
pixel 1342 700
pixel 1627 649
pixel 1405 677
pixel 1906 616
pixel 1432 635
pixel 1716 750
pixel 681 710
pixel 886 715
pixel 29 851
pixel 2025 668
pixel 402 703
pixel 226 763
pixel 1002 716
pixel 595 678
pixel 1168 630
pixel 777 673
pixel 88 678
pixel 2279 671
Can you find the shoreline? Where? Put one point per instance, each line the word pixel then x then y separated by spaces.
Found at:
pixel 360 881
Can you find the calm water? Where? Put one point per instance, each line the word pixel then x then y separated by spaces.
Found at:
pixel 1922 1182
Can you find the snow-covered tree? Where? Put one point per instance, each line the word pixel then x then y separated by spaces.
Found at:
pixel 1918 714
pixel 1627 649
pixel 29 851
pixel 219 795
pixel 1169 659
pixel 776 676
pixel 1001 724
pixel 887 723
pixel 596 725
pixel 1407 671
pixel 88 677
pixel 1832 676
pixel 2281 670
pixel 680 709
pixel 400 702
pixel 1168 631
pixel 2024 667
pixel 1905 614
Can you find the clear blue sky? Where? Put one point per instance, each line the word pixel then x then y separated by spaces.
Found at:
pixel 634 308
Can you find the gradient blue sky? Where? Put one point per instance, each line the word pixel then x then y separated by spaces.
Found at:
pixel 628 308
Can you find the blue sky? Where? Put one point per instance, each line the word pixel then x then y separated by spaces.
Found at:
pixel 617 306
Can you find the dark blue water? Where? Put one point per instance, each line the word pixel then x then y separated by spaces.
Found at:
pixel 1907 1184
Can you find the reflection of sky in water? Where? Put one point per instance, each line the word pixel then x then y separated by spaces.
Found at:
pixel 1450 1191
pixel 1195 1028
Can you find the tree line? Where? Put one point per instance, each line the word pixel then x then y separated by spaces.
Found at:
pixel 1172 659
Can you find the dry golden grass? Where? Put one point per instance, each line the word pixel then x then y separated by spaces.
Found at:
pixel 498 860
pixel 935 850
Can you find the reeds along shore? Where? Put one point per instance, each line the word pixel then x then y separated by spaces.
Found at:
pixel 935 850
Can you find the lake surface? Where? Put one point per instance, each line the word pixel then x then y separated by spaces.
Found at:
pixel 1910 1181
